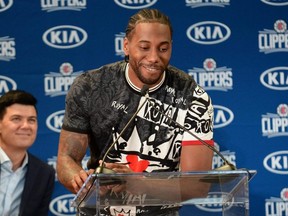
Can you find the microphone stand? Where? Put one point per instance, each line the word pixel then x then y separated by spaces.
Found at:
pixel 102 169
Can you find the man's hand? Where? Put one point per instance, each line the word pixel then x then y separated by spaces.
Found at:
pixel 79 179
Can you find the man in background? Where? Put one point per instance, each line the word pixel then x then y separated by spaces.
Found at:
pixel 26 182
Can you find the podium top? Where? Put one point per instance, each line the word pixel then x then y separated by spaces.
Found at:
pixel 163 188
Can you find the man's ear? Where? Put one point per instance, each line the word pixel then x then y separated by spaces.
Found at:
pixel 125 46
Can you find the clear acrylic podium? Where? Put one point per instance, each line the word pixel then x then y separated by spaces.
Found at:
pixel 227 189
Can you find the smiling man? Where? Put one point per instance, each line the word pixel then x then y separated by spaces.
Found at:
pixel 151 143
pixel 26 182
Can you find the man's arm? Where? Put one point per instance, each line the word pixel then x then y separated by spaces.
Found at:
pixel 196 158
pixel 72 148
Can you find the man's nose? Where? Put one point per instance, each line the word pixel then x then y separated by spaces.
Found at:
pixel 153 55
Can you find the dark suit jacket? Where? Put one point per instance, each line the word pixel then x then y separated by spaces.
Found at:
pixel 38 188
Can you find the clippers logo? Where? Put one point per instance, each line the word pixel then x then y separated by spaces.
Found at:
pixel 5 4
pixel 222 116
pixel 275 2
pixel 208 32
pixel 276 40
pixel 7 48
pixel 55 120
pixel 6 84
pixel 215 202
pixel 203 3
pixel 217 160
pixel 135 4
pixel 274 125
pixel 277 206
pixel 119 38
pixel 275 78
pixel 212 78
pixel 60 206
pixel 64 37
pixel 52 5
pixel 56 84
pixel 277 162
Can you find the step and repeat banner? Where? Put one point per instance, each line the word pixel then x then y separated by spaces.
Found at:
pixel 237 50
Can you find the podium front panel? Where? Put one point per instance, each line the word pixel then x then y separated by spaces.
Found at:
pixel 228 189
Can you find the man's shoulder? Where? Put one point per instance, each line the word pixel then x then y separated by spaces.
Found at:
pixel 176 71
pixel 111 67
pixel 179 76
pixel 36 161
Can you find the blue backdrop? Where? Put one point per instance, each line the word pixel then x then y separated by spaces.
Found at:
pixel 237 50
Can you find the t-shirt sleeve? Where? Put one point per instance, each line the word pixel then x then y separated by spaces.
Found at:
pixel 199 119
pixel 76 117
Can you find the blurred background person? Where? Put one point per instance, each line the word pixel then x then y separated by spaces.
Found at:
pixel 26 182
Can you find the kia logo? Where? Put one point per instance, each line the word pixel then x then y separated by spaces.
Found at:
pixel 65 37
pixel 275 78
pixel 208 32
pixel 135 4
pixel 55 120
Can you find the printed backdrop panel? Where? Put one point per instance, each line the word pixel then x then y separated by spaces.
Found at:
pixel 236 50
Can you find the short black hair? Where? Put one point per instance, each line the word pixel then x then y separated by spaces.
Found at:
pixel 16 97
pixel 147 15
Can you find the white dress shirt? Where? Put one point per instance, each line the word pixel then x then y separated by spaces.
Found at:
pixel 11 185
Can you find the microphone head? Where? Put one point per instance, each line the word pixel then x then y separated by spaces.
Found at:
pixel 104 170
pixel 226 167
pixel 144 90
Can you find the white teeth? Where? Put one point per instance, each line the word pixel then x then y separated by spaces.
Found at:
pixel 151 69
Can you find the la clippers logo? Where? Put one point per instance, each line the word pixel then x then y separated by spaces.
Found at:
pixel 55 120
pixel 56 84
pixel 203 3
pixel 50 6
pixel 61 205
pixel 277 162
pixel 5 4
pixel 7 48
pixel 228 155
pixel 276 2
pixel 65 37
pixel 135 4
pixel 212 78
pixel 6 84
pixel 274 40
pixel 222 116
pixel 119 38
pixel 274 125
pixel 277 206
pixel 208 32
pixel 275 78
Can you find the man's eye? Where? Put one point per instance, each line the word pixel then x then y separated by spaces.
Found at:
pixel 32 121
pixel 163 49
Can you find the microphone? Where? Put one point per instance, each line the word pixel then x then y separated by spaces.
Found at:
pixel 102 169
pixel 227 166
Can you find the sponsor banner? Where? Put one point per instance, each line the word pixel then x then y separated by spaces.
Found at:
pixel 237 51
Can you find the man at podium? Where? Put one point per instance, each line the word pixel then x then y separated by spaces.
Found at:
pixel 125 113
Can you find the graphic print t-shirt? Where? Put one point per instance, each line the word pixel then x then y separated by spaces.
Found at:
pixel 101 102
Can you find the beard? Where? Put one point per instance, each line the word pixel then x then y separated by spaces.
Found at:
pixel 146 80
